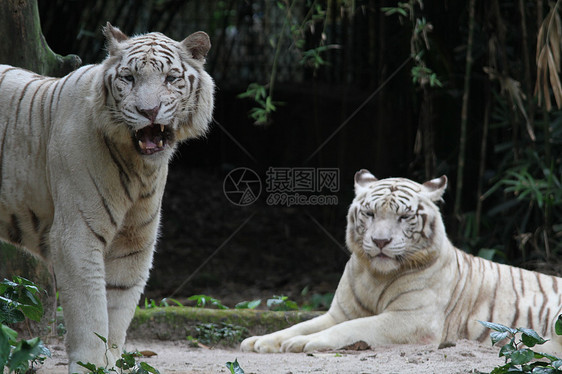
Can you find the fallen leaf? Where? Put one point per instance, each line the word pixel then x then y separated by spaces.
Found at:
pixel 357 346
pixel 148 353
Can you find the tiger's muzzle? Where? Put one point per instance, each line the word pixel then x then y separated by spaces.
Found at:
pixel 153 138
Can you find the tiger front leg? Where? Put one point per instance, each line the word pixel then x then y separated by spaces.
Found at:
pixel 273 342
pixel 127 270
pixel 385 328
pixel 80 276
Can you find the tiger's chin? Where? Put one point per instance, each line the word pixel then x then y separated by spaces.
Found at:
pixel 381 263
pixel 153 139
pixel 385 265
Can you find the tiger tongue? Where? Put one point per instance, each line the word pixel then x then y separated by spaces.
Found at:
pixel 150 139
pixel 148 144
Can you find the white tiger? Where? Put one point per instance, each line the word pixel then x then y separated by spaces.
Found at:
pixel 83 165
pixel 406 283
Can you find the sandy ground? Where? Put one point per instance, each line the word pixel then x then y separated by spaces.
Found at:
pixel 179 357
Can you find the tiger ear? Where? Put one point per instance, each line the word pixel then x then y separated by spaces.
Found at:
pixel 435 188
pixel 113 36
pixel 362 178
pixel 198 44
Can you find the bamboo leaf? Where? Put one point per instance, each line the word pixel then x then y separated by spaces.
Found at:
pixel 554 46
pixel 541 75
pixel 555 80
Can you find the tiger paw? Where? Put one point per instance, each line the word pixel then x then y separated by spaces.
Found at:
pixel 307 343
pixel 261 344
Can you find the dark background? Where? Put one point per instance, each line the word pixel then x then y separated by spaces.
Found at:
pixel 365 102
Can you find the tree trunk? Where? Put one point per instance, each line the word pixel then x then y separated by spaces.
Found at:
pixel 23 44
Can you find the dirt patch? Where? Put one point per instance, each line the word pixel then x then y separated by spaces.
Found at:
pixel 180 357
pixel 175 354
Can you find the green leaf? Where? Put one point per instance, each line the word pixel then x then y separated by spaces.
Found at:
pixel 530 337
pixel 26 351
pixel 145 368
pixel 166 299
pixel 551 358
pixel 545 370
pixel 503 369
pixel 388 11
pixel 498 327
pixel 507 350
pixel 234 367
pixel 487 253
pixel 126 361
pixel 5 347
pixel 248 304
pixel 33 312
pixel 11 334
pixel 522 356
pixel 269 106
pixel 88 366
pixel 496 336
pixel 9 314
pixel 281 303
pixel 558 325
pixel 20 294
pixel 202 300
pixel 103 339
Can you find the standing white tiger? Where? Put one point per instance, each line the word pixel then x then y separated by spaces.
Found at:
pixel 83 165
pixel 406 283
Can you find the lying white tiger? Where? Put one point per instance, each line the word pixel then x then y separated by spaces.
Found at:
pixel 83 165
pixel 406 283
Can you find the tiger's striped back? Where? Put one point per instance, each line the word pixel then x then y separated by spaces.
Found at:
pixel 29 107
pixel 500 293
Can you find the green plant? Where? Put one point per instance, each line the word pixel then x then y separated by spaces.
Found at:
pixel 265 104
pixel 520 359
pixel 234 367
pixel 248 304
pixel 318 301
pixel 127 363
pixel 527 198
pixel 213 333
pixel 165 302
pixel 419 42
pixel 276 303
pixel 19 299
pixel 281 303
pixel 295 28
pixel 193 342
pixel 204 300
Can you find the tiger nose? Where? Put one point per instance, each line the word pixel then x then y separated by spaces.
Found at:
pixel 381 243
pixel 150 113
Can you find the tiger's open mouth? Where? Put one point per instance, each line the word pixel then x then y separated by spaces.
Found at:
pixel 153 138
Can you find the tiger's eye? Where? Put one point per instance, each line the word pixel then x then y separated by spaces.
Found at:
pixel 369 214
pixel 129 78
pixel 171 78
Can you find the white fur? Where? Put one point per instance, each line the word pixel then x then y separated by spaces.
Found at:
pixel 423 290
pixel 74 188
